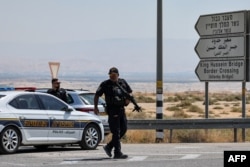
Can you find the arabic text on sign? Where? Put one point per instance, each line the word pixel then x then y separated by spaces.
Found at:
pixel 221 47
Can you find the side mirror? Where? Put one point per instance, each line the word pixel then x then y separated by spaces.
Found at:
pixel 67 109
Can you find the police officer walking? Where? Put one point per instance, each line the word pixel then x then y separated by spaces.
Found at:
pixel 57 91
pixel 115 101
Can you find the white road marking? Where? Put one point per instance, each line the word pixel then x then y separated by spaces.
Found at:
pixel 13 164
pixel 138 158
pixel 186 147
pixel 190 156
pixel 69 162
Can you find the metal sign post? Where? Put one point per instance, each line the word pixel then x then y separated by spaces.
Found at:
pixel 206 99
pixel 243 108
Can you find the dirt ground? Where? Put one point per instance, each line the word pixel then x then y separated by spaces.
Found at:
pixel 221 109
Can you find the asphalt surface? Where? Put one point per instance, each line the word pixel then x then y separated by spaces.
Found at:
pixel 140 155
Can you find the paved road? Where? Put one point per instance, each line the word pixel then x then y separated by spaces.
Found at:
pixel 140 155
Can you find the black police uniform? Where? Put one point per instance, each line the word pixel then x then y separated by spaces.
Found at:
pixel 60 93
pixel 115 101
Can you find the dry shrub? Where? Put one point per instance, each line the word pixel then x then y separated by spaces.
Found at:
pixel 179 97
pixel 180 114
pixel 196 109
pixel 144 99
pixel 224 135
pixel 139 136
pixel 236 104
pixel 171 99
pixel 202 135
pixel 173 108
pixel 224 112
pixel 183 136
pixel 198 98
pixel 234 97
pixel 236 109
pixel 185 104
pixel 211 101
pixel 218 108
pixel 189 136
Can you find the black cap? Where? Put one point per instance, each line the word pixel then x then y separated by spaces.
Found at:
pixel 55 80
pixel 113 70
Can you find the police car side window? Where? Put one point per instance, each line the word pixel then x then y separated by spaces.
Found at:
pixel 13 103
pixel 25 102
pixel 51 103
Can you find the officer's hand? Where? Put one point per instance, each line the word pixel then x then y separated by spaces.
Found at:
pixel 96 111
pixel 127 101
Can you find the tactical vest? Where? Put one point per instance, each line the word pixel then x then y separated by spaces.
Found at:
pixel 117 98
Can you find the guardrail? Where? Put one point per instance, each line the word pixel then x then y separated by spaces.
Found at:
pixel 172 124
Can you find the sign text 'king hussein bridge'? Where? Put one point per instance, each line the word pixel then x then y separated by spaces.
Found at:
pixel 223 70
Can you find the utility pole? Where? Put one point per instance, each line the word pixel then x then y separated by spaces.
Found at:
pixel 159 75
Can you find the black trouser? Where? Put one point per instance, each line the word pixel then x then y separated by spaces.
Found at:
pixel 118 127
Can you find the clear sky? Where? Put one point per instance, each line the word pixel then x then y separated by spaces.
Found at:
pixel 40 23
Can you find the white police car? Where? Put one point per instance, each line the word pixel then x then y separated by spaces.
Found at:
pixel 81 100
pixel 42 120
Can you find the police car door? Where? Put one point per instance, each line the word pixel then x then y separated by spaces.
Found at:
pixel 64 127
pixel 34 121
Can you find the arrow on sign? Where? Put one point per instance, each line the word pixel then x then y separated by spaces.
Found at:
pixel 223 23
pixel 228 47
pixel 221 70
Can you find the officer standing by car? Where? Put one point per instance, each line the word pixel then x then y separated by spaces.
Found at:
pixel 115 103
pixel 57 91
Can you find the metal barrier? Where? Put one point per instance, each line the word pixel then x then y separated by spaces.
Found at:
pixel 191 124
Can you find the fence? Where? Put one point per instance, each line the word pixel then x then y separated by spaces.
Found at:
pixel 172 124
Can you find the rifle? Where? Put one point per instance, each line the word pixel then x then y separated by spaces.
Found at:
pixel 131 98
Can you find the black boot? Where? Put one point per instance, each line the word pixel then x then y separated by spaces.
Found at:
pixel 107 150
pixel 120 155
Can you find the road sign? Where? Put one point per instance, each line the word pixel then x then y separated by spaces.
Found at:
pixel 54 68
pixel 222 23
pixel 228 47
pixel 221 70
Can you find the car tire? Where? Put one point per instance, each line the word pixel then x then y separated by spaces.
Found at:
pixel 10 140
pixel 91 137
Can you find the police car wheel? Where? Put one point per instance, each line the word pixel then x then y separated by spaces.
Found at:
pixel 90 138
pixel 10 140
